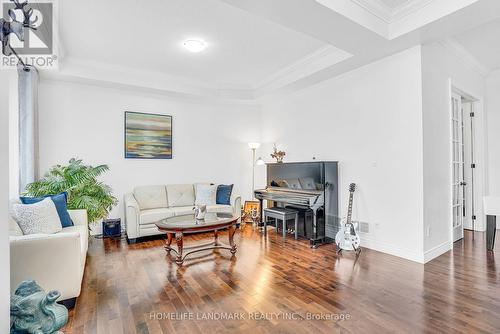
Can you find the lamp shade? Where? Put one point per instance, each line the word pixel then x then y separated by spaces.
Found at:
pixel 254 146
pixel 260 162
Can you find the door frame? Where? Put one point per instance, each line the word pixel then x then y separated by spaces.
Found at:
pixel 480 146
pixel 457 163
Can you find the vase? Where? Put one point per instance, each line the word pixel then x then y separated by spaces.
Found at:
pixel 200 212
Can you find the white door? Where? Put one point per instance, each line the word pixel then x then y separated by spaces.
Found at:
pixel 468 139
pixel 457 165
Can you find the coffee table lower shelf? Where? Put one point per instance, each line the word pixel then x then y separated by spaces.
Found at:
pixel 216 244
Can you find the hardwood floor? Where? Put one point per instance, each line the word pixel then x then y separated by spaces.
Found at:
pixel 276 286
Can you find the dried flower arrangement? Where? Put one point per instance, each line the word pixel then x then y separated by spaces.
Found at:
pixel 278 155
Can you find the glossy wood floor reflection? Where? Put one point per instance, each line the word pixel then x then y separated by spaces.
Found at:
pixel 276 286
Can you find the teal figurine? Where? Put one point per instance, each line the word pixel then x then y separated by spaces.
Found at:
pixel 32 311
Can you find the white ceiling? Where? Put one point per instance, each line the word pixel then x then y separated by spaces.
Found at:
pixel 394 3
pixel 243 49
pixel 483 43
pixel 255 47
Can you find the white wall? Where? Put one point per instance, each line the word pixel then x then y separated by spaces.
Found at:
pixel 209 140
pixel 4 201
pixel 370 120
pixel 493 115
pixel 440 69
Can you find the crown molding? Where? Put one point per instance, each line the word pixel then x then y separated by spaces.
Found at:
pixel 109 75
pixel 376 8
pixel 370 14
pixel 388 14
pixel 409 8
pixel 73 69
pixel 465 57
pixel 391 23
pixel 52 77
pixel 85 71
pixel 320 59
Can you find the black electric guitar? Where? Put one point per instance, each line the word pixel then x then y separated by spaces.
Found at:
pixel 347 238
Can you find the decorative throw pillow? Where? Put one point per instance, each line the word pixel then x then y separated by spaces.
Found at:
pixel 59 200
pixel 36 218
pixel 224 194
pixel 14 229
pixel 205 194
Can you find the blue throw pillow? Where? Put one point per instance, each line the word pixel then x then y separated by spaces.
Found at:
pixel 224 194
pixel 59 200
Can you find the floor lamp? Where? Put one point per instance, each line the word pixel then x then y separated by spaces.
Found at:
pixel 254 147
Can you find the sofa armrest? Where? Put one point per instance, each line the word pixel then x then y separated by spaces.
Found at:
pixel 132 211
pixel 53 260
pixel 237 206
pixel 79 217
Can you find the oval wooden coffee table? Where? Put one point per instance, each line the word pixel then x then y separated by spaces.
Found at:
pixel 177 226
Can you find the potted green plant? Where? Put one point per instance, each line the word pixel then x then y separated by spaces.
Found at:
pixel 80 182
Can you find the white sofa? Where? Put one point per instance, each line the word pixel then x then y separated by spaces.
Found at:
pixel 54 261
pixel 147 205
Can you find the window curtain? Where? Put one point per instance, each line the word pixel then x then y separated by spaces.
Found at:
pixel 28 126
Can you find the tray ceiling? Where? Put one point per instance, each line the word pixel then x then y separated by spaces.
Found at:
pixel 256 47
pixel 394 18
pixel 243 49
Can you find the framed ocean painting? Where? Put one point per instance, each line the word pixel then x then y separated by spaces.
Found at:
pixel 148 136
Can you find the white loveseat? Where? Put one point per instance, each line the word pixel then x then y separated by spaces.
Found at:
pixel 147 205
pixel 54 261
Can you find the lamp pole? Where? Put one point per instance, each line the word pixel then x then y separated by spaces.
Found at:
pixel 253 172
pixel 253 147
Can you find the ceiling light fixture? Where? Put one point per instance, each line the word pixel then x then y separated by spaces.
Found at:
pixel 195 45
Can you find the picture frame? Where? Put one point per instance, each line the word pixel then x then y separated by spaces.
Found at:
pixel 148 136
pixel 248 207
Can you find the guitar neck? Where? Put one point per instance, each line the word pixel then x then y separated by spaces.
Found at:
pixel 349 210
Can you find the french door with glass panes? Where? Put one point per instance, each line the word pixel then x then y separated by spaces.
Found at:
pixel 457 165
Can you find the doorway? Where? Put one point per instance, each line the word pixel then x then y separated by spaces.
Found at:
pixel 462 164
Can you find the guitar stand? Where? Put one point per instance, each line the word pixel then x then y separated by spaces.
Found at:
pixel 356 250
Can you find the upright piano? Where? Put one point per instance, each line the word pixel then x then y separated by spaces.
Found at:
pixel 309 186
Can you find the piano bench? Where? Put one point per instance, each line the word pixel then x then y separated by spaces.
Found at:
pixel 283 214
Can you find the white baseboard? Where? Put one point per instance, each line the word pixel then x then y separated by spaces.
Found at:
pixel 406 253
pixel 392 250
pixel 437 251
